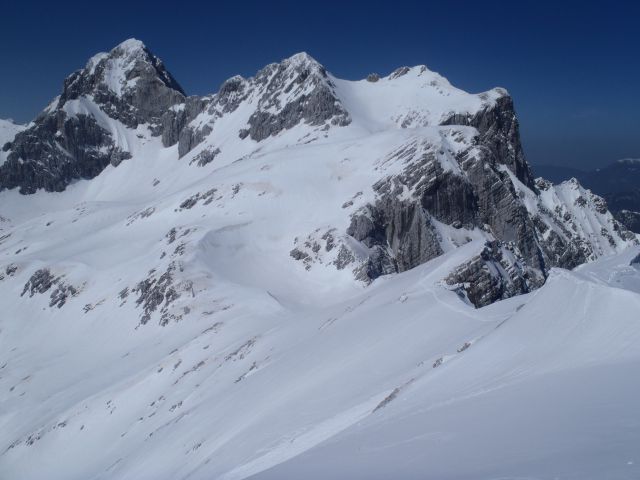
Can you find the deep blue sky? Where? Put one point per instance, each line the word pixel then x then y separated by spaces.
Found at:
pixel 573 68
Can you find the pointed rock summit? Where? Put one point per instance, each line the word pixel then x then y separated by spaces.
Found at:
pixel 296 90
pixel 124 63
pixel 82 130
pixel 129 83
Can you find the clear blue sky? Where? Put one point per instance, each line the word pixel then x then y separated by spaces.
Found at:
pixel 573 68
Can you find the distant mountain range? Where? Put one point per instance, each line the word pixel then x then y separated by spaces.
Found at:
pixel 618 183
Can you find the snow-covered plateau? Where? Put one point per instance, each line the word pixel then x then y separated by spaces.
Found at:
pixel 305 277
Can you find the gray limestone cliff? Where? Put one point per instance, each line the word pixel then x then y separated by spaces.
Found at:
pixel 399 230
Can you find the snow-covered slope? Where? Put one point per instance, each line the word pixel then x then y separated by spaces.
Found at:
pixel 547 391
pixel 409 97
pixel 249 379
pixel 208 287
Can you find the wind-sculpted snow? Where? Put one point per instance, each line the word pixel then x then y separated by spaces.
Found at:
pixel 288 269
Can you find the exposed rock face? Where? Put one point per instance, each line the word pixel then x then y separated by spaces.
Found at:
pixel 156 292
pixel 497 273
pixel 71 139
pixel 177 118
pixel 40 282
pixel 399 235
pixel 488 189
pixel 479 196
pixel 56 150
pixel 205 157
pixel 282 95
pixel 310 98
pixel 130 84
pixel 500 132
pixel 456 171
pixel 43 280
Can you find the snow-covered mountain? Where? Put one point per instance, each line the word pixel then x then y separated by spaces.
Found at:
pixel 206 287
pixel 618 183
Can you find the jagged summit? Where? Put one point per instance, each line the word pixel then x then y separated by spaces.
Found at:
pixel 91 123
pixel 128 48
pixel 302 59
pixel 121 68
pixel 296 62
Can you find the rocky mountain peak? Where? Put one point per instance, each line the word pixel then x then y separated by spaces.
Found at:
pixel 130 49
pixel 296 90
pixel 81 131
pixel 127 72
pixel 302 60
pixel 119 68
pixel 131 46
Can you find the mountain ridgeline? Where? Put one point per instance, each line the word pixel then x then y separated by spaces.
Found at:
pixel 442 167
pixel 618 183
pixel 300 276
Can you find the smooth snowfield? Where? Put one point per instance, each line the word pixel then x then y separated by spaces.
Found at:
pixel 550 393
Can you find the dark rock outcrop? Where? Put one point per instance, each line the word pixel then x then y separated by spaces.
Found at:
pixel 43 280
pixel 493 276
pixel 40 282
pixel 312 98
pixel 399 235
pixel 56 150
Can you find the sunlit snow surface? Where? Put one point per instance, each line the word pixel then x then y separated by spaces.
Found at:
pixel 331 380
pixel 267 369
